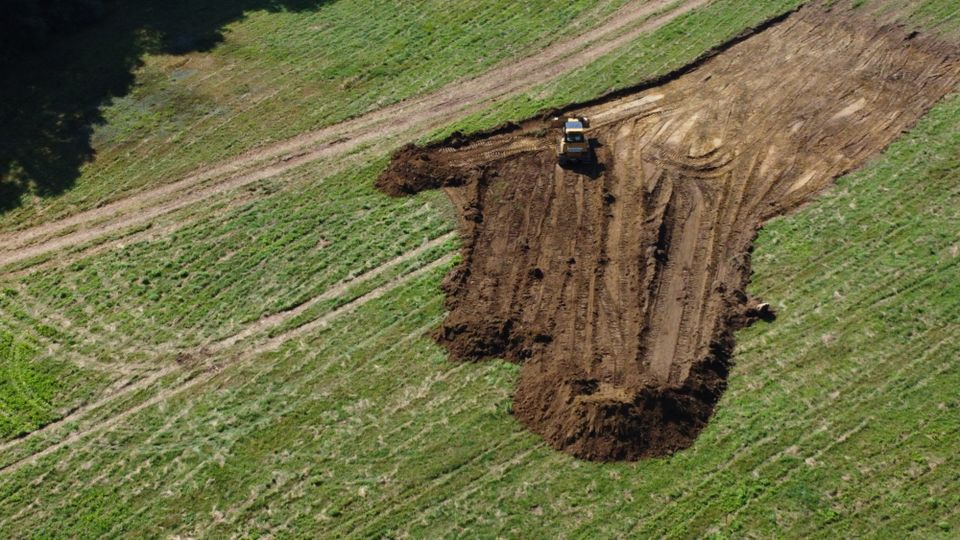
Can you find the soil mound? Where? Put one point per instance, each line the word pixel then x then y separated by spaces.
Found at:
pixel 619 286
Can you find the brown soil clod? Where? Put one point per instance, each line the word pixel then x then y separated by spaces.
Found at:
pixel 620 288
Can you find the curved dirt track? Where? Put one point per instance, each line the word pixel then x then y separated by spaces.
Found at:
pixel 407 119
pixel 619 286
pixel 198 372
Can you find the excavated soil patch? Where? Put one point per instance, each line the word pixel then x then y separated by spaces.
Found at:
pixel 619 286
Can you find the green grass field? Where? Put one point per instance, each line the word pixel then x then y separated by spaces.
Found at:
pixel 256 365
pixel 275 75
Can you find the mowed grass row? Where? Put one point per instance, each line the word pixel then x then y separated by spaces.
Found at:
pixel 840 418
pixel 266 248
pixel 33 390
pixel 276 74
pixel 42 378
pixel 211 278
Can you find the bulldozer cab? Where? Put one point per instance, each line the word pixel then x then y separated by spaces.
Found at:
pixel 574 143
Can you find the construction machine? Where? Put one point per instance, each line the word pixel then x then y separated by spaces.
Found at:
pixel 574 143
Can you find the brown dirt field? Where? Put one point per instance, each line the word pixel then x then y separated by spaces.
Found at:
pixel 619 285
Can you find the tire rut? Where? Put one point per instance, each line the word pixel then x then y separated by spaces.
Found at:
pixel 622 306
pixel 203 364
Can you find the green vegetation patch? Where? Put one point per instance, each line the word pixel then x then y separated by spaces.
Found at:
pixel 30 387
pixel 181 87
pixel 651 55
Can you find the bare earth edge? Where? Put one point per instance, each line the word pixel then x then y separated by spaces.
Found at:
pixel 710 169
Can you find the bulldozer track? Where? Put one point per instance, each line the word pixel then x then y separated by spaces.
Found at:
pixel 619 286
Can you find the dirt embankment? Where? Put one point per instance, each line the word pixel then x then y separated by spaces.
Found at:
pixel 619 286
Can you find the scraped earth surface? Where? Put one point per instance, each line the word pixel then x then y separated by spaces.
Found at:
pixel 619 285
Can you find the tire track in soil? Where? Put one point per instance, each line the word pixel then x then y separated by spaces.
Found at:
pixel 188 475
pixel 221 350
pixel 623 303
pixel 407 119
pixel 285 485
pixel 79 412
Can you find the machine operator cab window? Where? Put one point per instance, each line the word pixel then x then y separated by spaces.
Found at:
pixel 574 137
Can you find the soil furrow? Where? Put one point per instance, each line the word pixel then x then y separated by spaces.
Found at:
pixel 700 161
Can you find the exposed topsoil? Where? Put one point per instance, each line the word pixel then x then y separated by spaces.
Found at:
pixel 619 285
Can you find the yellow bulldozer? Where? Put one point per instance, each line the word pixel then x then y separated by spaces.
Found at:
pixel 574 143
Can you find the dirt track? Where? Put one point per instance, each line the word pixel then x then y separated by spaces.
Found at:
pixel 407 119
pixel 432 110
pixel 619 286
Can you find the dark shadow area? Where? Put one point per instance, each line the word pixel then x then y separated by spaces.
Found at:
pixel 592 168
pixel 50 98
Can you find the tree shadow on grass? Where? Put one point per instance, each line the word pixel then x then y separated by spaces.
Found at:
pixel 50 99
